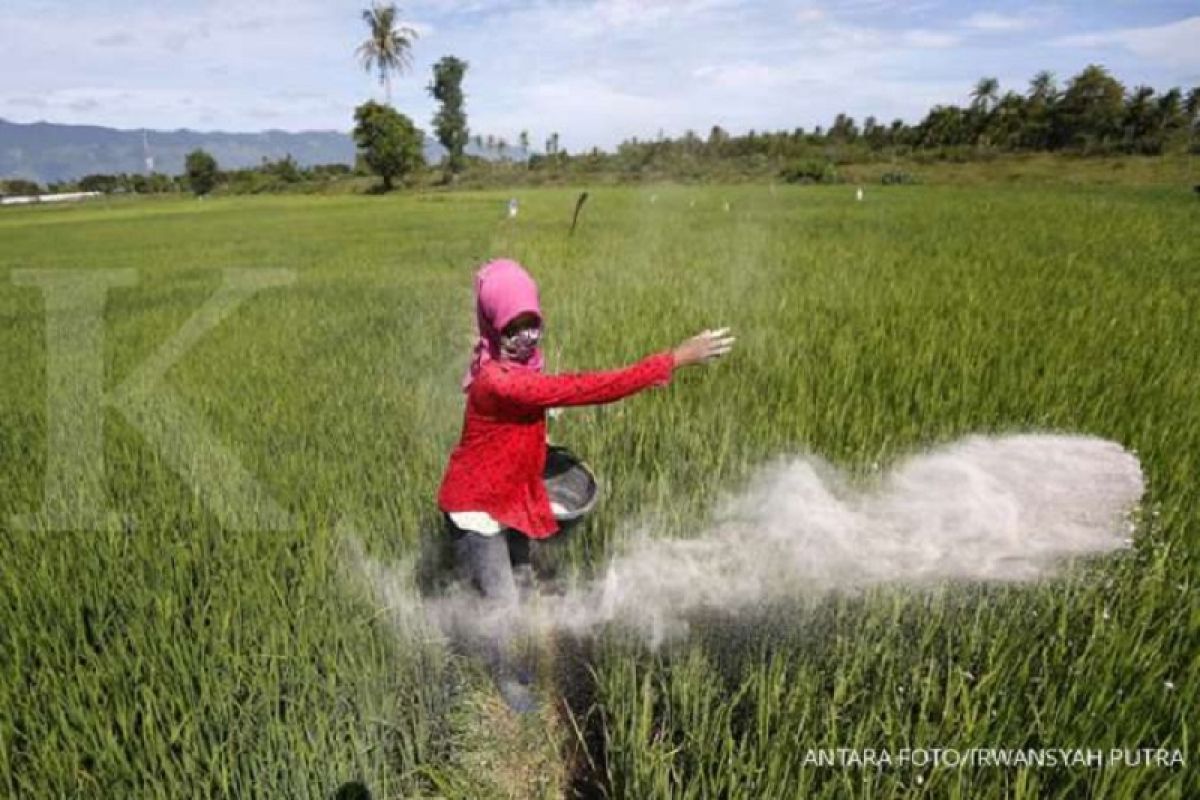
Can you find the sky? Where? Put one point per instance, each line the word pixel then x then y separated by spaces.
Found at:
pixel 595 71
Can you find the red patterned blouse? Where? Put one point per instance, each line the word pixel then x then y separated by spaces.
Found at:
pixel 497 465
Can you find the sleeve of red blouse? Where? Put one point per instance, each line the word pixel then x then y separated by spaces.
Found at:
pixel 526 388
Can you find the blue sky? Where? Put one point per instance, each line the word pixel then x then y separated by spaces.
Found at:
pixel 596 71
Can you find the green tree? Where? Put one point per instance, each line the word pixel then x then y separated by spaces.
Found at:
pixel 1140 119
pixel 1006 121
pixel 201 170
pixel 1191 105
pixel 19 187
pixel 985 95
pixel 1170 116
pixel 1092 109
pixel 287 169
pixel 1037 132
pixel 1043 87
pixel 388 47
pixel 984 99
pixel 391 145
pixel 843 129
pixel 450 122
pixel 98 183
pixel 718 138
pixel 873 132
pixel 943 126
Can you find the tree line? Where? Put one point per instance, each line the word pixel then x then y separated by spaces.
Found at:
pixel 1092 114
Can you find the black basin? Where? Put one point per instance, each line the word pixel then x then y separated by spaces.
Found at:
pixel 570 484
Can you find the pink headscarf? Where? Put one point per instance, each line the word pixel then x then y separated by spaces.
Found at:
pixel 503 291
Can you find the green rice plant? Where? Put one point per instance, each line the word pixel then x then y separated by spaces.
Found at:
pixel 181 658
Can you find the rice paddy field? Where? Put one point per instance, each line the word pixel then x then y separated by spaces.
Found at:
pixel 252 431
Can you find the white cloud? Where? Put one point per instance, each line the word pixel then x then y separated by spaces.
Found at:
pixel 28 101
pixel 586 110
pixel 603 17
pixel 204 109
pixel 993 21
pixel 116 39
pixel 838 37
pixel 808 14
pixel 743 74
pixel 918 37
pixel 1176 44
pixel 456 6
pixel 217 65
pixel 596 71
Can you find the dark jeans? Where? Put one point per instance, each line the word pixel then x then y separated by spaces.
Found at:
pixel 500 564
pixel 488 561
pixel 495 565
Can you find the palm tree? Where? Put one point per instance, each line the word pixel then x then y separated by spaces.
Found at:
pixel 1139 115
pixel 388 47
pixel 984 99
pixel 1039 127
pixel 1192 104
pixel 1043 87
pixel 986 94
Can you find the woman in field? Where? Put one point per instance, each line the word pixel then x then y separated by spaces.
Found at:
pixel 492 494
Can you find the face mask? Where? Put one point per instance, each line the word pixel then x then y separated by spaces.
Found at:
pixel 520 346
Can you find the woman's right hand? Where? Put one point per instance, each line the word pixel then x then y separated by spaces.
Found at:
pixel 703 348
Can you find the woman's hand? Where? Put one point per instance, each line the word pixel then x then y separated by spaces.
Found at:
pixel 703 348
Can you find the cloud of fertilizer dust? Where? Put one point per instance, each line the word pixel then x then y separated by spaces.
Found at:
pixel 1012 508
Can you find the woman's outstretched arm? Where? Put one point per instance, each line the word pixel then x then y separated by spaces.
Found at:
pixel 532 389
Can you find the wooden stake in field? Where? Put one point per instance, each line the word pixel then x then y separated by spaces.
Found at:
pixel 583 196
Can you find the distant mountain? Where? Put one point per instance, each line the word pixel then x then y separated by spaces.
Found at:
pixel 45 152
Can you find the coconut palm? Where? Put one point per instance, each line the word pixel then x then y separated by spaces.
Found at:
pixel 1043 87
pixel 986 94
pixel 388 48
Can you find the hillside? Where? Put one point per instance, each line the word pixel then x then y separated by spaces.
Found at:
pixel 46 152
